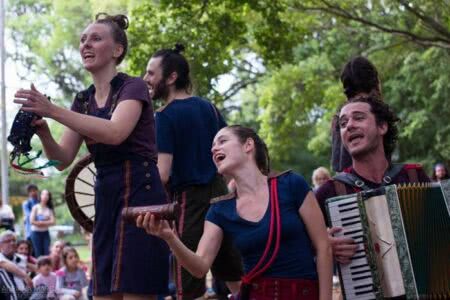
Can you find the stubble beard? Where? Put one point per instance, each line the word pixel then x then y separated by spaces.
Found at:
pixel 161 91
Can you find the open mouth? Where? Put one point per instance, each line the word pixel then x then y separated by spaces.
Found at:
pixel 219 157
pixel 355 137
pixel 88 56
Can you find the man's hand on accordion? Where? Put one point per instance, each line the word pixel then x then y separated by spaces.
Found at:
pixel 343 247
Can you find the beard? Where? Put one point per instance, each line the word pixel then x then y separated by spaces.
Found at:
pixel 161 90
pixel 371 147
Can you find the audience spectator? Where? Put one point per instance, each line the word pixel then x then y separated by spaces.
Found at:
pixel 41 218
pixel 24 248
pixel 320 176
pixel 6 216
pixel 70 279
pixel 46 277
pixel 55 254
pixel 440 172
pixel 14 281
pixel 27 206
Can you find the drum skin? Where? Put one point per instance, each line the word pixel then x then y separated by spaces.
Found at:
pixel 79 193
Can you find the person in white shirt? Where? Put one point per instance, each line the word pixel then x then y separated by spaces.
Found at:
pixel 14 281
pixel 6 216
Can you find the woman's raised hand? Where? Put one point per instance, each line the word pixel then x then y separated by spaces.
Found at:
pixel 33 101
pixel 156 227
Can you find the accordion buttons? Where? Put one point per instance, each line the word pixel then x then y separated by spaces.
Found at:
pixel 147 175
pixel 145 163
pixel 147 186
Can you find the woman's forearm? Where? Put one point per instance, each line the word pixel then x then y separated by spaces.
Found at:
pixel 111 132
pixel 325 271
pixel 53 150
pixel 192 262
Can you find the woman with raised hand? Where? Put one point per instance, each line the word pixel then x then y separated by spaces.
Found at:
pixel 274 221
pixel 114 116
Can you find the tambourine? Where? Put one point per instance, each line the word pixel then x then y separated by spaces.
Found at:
pixel 80 195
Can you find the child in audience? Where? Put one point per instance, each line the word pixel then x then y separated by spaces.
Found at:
pixel 55 254
pixel 70 279
pixel 24 248
pixel 46 277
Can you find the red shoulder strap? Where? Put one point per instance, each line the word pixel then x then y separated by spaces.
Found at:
pixel 274 233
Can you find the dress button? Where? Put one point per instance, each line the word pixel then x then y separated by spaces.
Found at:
pixel 145 164
pixel 147 175
pixel 147 186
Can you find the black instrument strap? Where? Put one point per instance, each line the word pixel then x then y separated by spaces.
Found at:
pixel 355 181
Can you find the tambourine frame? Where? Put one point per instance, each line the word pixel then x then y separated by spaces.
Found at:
pixel 77 212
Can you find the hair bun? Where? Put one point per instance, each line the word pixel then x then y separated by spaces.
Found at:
pixel 179 48
pixel 121 20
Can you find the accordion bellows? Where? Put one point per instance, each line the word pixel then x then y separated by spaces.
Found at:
pixel 404 237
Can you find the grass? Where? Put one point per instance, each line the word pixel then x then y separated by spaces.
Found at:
pixel 84 252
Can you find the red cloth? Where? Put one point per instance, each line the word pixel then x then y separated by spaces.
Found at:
pixel 286 289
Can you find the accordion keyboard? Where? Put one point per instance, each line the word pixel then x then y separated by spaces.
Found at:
pixel 356 277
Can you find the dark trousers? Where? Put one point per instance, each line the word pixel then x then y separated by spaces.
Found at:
pixel 41 242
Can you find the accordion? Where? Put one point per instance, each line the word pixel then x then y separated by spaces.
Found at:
pixel 403 237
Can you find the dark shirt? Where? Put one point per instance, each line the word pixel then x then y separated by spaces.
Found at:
pixel 327 190
pixel 186 128
pixel 141 141
pixel 295 258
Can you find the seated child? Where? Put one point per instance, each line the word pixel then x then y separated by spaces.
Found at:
pixel 55 254
pixel 70 279
pixel 24 248
pixel 46 277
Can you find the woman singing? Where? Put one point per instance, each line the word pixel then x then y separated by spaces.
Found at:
pixel 274 221
pixel 114 116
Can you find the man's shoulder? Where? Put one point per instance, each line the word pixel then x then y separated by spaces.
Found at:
pixel 177 106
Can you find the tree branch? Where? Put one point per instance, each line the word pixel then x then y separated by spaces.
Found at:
pixel 435 26
pixel 340 12
pixel 239 85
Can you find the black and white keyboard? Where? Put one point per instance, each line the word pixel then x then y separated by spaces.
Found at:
pixel 356 277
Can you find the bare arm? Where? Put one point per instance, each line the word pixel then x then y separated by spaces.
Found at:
pixel 197 263
pixel 112 132
pixel 65 151
pixel 12 268
pixel 315 226
pixel 50 221
pixel 164 166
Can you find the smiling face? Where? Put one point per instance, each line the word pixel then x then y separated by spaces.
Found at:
pixel 23 249
pixel 97 47
pixel 155 80
pixel 359 130
pixel 228 151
